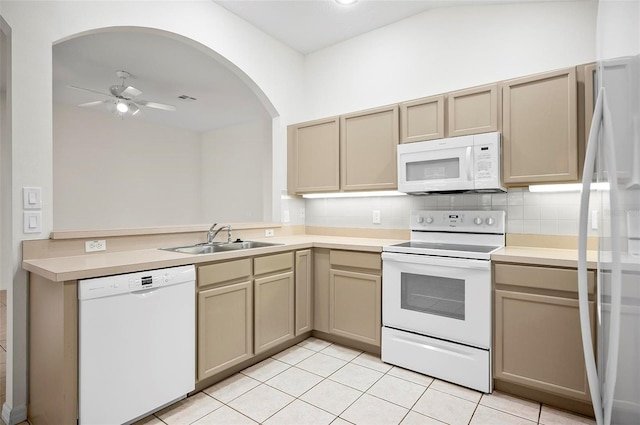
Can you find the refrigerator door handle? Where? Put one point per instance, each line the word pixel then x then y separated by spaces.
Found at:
pixel 583 295
pixel 602 401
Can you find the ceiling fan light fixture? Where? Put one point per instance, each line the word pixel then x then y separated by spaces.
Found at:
pixel 122 107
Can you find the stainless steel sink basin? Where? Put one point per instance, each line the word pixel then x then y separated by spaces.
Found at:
pixel 219 247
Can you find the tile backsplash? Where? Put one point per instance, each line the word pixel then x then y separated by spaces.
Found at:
pixel 535 213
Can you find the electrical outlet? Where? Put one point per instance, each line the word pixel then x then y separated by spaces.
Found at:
pixel 93 246
pixel 268 232
pixel 376 216
pixel 285 216
pixel 302 213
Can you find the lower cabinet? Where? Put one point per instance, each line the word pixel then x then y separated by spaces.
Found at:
pixel 304 291
pixel 354 307
pixel 225 327
pixel 538 343
pixel 274 301
pixel 348 291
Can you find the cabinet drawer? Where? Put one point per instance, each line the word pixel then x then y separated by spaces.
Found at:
pixel 362 260
pixel 224 272
pixel 541 277
pixel 273 263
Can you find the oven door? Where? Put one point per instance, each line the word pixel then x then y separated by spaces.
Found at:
pixel 436 166
pixel 442 297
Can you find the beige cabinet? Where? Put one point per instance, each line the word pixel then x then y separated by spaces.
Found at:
pixel 314 156
pixel 473 111
pixel 225 327
pixel 225 316
pixel 321 271
pixel 274 300
pixel 422 119
pixel 586 75
pixel 368 141
pixel 540 142
pixel 304 292
pixel 538 344
pixel 355 291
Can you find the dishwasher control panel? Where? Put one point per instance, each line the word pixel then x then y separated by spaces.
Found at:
pixel 133 282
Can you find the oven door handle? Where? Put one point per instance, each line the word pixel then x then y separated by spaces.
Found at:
pixel 427 260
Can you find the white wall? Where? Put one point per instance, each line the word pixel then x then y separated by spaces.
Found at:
pixel 117 173
pixel 236 173
pixel 448 49
pixel 265 64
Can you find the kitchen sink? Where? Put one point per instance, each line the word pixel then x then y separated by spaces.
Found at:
pixel 219 247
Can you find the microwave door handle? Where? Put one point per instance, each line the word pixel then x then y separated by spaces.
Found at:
pixel 468 160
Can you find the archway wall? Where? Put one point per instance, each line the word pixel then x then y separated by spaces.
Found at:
pixel 267 65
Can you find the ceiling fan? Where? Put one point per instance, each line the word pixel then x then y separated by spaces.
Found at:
pixel 124 97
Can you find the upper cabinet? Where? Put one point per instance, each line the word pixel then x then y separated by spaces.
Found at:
pixel 586 75
pixel 540 142
pixel 314 156
pixel 368 141
pixel 544 120
pixel 422 119
pixel 473 111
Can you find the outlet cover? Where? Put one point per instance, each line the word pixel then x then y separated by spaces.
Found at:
pixel 285 216
pixel 376 217
pixel 93 246
pixel 268 232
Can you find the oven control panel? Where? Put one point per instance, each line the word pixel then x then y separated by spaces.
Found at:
pixel 481 221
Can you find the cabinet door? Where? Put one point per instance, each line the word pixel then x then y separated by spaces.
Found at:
pixel 422 119
pixel 225 327
pixel 539 344
pixel 368 143
pixel 313 156
pixel 304 291
pixel 274 308
pixel 321 271
pixel 473 111
pixel 354 306
pixel 540 142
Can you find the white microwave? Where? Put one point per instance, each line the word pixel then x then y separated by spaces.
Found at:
pixel 457 164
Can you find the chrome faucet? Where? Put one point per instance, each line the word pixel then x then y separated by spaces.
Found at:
pixel 213 232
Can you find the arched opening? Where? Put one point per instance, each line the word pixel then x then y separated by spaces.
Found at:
pixel 209 160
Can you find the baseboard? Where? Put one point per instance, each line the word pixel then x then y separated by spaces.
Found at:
pixel 13 415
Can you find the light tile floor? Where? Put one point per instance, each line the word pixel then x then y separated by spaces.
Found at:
pixel 318 383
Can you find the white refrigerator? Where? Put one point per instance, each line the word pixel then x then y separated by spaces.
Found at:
pixel 613 161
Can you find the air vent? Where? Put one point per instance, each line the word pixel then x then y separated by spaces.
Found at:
pixel 186 98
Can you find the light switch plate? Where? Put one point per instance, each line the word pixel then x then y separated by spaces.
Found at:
pixel 31 198
pixel 32 221
pixel 285 216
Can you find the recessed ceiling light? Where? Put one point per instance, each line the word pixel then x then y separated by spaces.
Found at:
pixel 346 2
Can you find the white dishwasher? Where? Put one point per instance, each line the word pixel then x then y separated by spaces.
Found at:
pixel 136 343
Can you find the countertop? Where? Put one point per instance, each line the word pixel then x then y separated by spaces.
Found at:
pixel 543 256
pixel 109 263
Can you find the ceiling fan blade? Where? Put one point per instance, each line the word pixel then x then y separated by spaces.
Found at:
pixel 130 92
pixel 95 102
pixel 89 90
pixel 156 105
